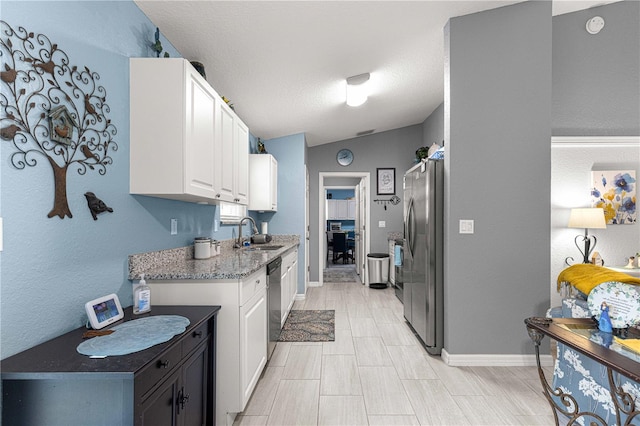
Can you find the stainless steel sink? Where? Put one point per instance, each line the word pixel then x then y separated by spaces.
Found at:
pixel 262 248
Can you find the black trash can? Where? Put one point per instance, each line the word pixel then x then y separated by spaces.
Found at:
pixel 378 265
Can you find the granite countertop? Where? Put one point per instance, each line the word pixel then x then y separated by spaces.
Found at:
pixel 230 264
pixel 395 236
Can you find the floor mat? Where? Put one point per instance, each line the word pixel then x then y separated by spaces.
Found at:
pixel 309 326
pixel 340 274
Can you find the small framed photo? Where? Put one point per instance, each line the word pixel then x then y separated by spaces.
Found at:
pixel 386 181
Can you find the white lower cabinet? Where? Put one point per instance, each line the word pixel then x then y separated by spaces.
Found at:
pixel 253 340
pixel 241 347
pixel 289 283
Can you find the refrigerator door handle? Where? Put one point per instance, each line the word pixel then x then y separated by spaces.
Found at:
pixel 410 227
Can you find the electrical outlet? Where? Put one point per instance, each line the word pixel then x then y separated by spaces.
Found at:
pixel 382 224
pixel 466 226
pixel 174 226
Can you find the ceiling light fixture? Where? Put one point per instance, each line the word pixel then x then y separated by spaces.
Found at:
pixel 357 89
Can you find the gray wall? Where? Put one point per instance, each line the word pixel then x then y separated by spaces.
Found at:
pixel 394 148
pixel 497 172
pixel 596 78
pixel 433 127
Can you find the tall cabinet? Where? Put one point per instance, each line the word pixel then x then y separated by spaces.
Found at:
pixel 186 143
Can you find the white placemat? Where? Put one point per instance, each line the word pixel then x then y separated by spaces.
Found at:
pixel 135 335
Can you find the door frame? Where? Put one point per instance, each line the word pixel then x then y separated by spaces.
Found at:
pixel 365 177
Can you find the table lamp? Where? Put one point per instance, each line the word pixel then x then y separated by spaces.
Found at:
pixel 587 218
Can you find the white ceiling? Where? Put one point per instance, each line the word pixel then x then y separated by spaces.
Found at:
pixel 283 64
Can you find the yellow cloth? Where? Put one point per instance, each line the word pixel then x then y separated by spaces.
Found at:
pixel 633 344
pixel 586 276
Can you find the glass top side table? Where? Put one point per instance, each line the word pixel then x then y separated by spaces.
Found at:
pixel 582 335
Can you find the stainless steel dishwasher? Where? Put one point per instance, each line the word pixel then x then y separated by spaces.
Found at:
pixel 274 303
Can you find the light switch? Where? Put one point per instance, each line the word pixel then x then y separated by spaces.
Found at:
pixel 382 224
pixel 466 226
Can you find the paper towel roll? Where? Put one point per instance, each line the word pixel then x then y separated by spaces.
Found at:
pixel 264 227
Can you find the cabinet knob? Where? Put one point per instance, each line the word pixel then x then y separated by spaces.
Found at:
pixel 217 195
pixel 197 334
pixel 163 364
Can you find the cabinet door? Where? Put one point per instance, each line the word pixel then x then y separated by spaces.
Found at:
pixel 333 209
pixel 224 152
pixel 253 342
pixel 351 209
pixel 274 184
pixel 343 209
pixel 192 399
pixel 263 182
pixel 160 407
pixel 241 162
pixel 199 137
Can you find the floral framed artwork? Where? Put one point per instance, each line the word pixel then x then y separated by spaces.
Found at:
pixel 615 192
pixel 386 181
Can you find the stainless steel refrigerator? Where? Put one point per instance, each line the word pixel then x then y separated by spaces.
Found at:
pixel 422 252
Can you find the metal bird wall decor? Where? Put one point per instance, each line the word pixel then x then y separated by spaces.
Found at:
pixel 96 205
pixel 53 111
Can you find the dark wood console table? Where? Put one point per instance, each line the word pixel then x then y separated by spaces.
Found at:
pixel 564 330
pixel 171 383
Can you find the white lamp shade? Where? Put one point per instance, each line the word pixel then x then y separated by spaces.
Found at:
pixel 357 89
pixel 587 218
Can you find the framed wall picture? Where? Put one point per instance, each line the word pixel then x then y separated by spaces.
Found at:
pixel 386 181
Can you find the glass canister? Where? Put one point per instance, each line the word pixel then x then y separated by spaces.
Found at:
pixel 202 248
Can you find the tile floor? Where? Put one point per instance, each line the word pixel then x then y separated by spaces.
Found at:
pixel 376 373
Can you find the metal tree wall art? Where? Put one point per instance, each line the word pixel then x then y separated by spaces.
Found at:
pixel 52 111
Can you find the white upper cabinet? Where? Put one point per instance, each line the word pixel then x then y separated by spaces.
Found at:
pixel 263 178
pixel 341 210
pixel 183 136
pixel 241 162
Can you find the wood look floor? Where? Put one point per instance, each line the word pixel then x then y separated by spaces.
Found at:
pixel 376 373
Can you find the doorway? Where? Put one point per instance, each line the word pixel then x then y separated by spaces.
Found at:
pixel 358 182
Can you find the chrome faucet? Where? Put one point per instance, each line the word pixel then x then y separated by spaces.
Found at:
pixel 239 241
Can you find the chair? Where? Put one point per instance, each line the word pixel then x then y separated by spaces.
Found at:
pixel 329 244
pixel 340 247
pixel 351 245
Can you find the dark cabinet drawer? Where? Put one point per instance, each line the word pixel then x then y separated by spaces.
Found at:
pixel 196 337
pixel 160 367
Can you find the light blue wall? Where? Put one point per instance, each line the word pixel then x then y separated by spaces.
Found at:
pixel 51 267
pixel 341 194
pixel 290 151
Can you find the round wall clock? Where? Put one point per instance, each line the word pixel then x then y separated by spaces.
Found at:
pixel 344 157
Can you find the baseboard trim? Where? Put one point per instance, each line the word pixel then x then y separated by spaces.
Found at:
pixel 491 360
pixel 300 297
pixel 314 284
